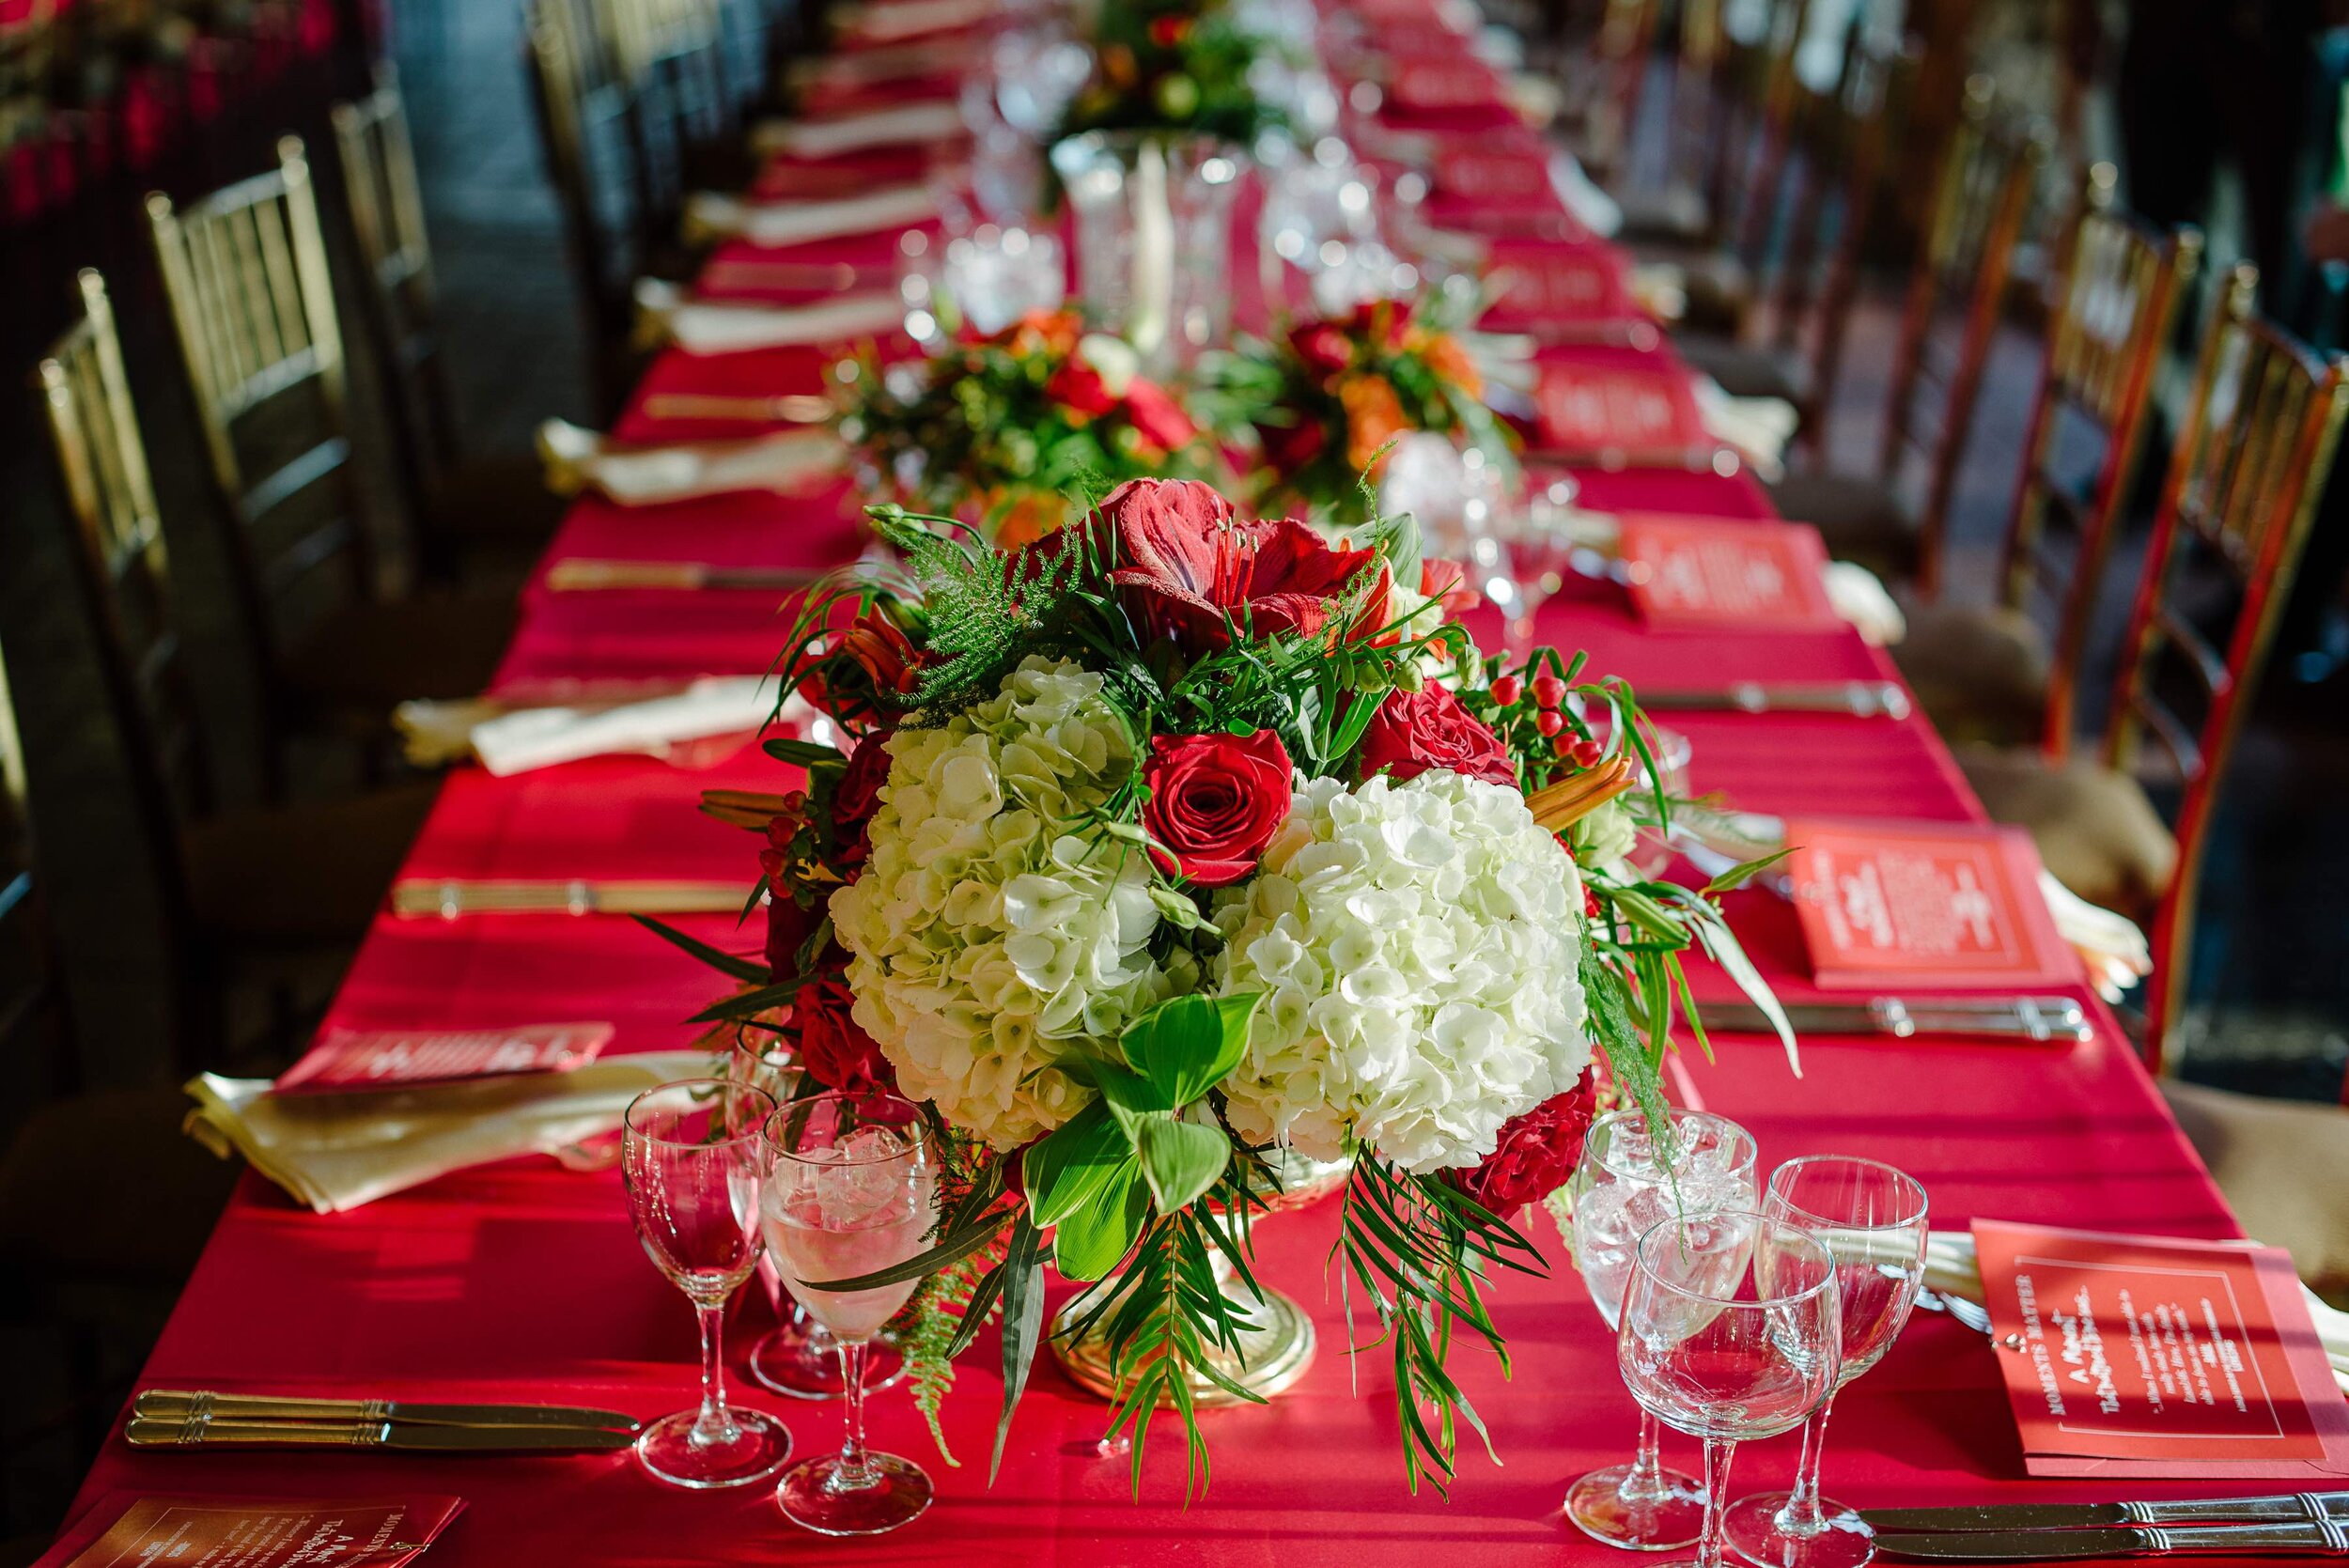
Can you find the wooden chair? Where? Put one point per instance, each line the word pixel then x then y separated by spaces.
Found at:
pixel 1990 674
pixel 252 303
pixel 451 503
pixel 2236 510
pixel 244 894
pixel 1958 289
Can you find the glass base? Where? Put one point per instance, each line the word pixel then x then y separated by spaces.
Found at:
pixel 891 1492
pixel 1660 1522
pixel 1750 1531
pixel 799 1365
pixel 756 1450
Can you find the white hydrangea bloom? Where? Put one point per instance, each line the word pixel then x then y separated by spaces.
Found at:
pixel 982 936
pixel 1417 946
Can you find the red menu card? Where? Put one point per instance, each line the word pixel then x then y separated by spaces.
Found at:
pixel 348 1059
pixel 260 1533
pixel 1460 83
pixel 1592 405
pixel 1891 905
pixel 1702 574
pixel 2147 1356
pixel 1557 282
pixel 1504 174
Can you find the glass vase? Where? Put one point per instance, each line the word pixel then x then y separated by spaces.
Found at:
pixel 1153 231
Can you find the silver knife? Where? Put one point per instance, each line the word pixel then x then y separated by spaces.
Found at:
pixel 2305 1538
pixel 2058 1516
pixel 184 1404
pixel 2048 1017
pixel 1861 699
pixel 154 1431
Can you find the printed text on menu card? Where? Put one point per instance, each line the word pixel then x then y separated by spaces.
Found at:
pixel 1893 904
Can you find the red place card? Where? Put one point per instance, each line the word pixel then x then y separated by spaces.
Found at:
pixel 1481 174
pixel 2147 1356
pixel 1893 904
pixel 1557 283
pixel 264 1532
pixel 1704 574
pixel 1593 407
pixel 1454 84
pixel 351 1058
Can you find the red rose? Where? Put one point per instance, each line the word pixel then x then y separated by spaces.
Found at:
pixel 1383 322
pixel 1190 565
pixel 832 1050
pixel 1290 447
pixel 1215 802
pixel 1156 417
pixel 857 796
pixel 1167 31
pixel 1536 1153
pixel 788 927
pixel 1414 731
pixel 1079 388
pixel 1323 346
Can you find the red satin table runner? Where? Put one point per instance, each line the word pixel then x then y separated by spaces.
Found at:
pixel 523 1280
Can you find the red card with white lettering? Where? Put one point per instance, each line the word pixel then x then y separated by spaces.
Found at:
pixel 1460 83
pixel 1704 574
pixel 344 1060
pixel 1598 403
pixel 259 1533
pixel 1893 905
pixel 1506 174
pixel 2155 1356
pixel 1538 282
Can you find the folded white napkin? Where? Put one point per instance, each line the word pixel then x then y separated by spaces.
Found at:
pixel 577 460
pixel 336 1152
pixel 1861 599
pixel 1592 207
pixel 1759 427
pixel 533 738
pixel 1660 288
pixel 711 216
pixel 665 311
pixel 1951 1269
pixel 908 19
pixel 898 125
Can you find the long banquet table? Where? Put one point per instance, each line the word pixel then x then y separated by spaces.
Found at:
pixel 523 1280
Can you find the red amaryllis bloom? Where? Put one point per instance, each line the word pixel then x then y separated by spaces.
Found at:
pixel 856 797
pixel 1414 731
pixel 1156 417
pixel 1192 564
pixel 832 1050
pixel 883 651
pixel 1215 802
pixel 1536 1153
pixel 1079 388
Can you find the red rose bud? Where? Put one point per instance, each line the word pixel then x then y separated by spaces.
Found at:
pixel 1507 689
pixel 1550 720
pixel 1215 802
pixel 1079 388
pixel 1156 417
pixel 1414 731
pixel 832 1050
pixel 1536 1153
pixel 857 797
pixel 1548 690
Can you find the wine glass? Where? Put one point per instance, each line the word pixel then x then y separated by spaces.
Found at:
pixel 691 1157
pixel 1541 551
pixel 798 1358
pixel 850 1192
pixel 1872 1220
pixel 1730 1331
pixel 1623 1187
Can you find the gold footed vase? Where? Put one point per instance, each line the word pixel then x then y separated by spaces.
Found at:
pixel 1275 1352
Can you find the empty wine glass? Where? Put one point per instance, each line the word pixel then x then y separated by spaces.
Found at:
pixel 1623 1187
pixel 849 1193
pixel 1730 1331
pixel 690 1156
pixel 1541 551
pixel 1872 1220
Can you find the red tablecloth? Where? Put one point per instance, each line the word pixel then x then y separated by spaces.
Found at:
pixel 524 1281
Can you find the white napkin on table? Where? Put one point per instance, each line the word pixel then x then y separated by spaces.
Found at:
pixel 663 310
pixel 577 460
pixel 898 125
pixel 711 216
pixel 1861 599
pixel 533 738
pixel 1592 207
pixel 336 1152
pixel 892 20
pixel 1759 427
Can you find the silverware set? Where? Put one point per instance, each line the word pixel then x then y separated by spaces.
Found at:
pixel 1861 699
pixel 2309 1524
pixel 167 1418
pixel 2025 1018
pixel 449 897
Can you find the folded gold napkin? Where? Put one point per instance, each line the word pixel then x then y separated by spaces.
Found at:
pixel 711 216
pixel 665 312
pixel 337 1151
pixel 901 125
pixel 788 461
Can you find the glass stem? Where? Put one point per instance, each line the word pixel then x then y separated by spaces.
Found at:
pixel 1645 1481
pixel 1802 1515
pixel 712 1424
pixel 1718 1454
pixel 855 1468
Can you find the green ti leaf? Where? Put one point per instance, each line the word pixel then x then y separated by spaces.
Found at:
pixel 1180 1160
pixel 1088 1242
pixel 1067 1170
pixel 1185 1046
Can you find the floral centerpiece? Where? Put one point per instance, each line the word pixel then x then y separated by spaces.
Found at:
pixel 998 429
pixel 1330 393
pixel 1180 65
pixel 1178 841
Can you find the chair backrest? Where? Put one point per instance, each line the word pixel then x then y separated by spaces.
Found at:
pixel 2114 311
pixel 124 568
pixel 1622 52
pixel 2237 506
pixel 32 994
pixel 253 304
pixel 1756 91
pixel 1982 196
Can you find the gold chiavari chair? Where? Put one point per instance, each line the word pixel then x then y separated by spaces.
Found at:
pixel 452 502
pixel 252 303
pixel 1958 289
pixel 2237 506
pixel 240 890
pixel 1990 674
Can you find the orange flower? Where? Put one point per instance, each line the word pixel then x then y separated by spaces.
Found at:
pixel 1043 331
pixel 1449 358
pixel 1374 416
pixel 1029 519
